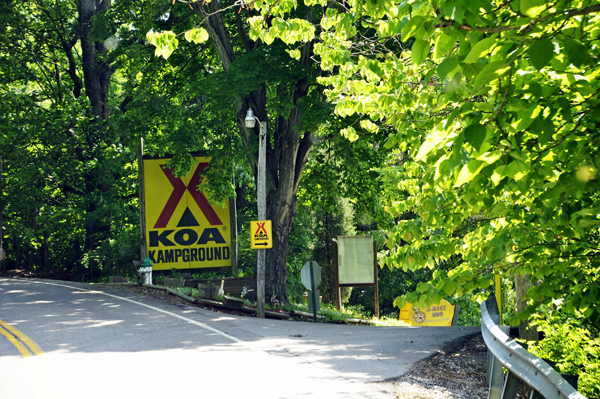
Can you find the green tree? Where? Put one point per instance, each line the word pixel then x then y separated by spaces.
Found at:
pixel 67 185
pixel 282 92
pixel 494 110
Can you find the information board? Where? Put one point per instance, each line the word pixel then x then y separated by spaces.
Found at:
pixel 355 260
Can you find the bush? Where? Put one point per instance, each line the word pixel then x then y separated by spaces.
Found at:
pixel 574 348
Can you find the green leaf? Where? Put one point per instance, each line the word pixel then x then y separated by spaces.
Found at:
pixel 533 8
pixel 447 66
pixel 475 135
pixel 480 49
pixel 484 283
pixel 541 53
pixel 436 137
pixel 577 52
pixel 454 11
pixel 399 302
pixel 514 321
pixel 489 73
pixel 419 51
pixel 468 172
pixel 165 42
pixel 196 35
pixel 349 133
pixel 423 287
pixel 516 170
pixel 443 45
pixel 295 54
pixel 449 287
pixel 411 27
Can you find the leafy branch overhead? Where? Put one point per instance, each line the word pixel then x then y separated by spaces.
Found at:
pixel 166 42
pixel 493 109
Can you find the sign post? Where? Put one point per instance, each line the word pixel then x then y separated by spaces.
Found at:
pixel 311 278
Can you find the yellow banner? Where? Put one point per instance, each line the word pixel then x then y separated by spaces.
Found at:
pixel 183 230
pixel 439 315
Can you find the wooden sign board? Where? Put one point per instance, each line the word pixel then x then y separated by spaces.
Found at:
pixel 356 266
pixel 355 260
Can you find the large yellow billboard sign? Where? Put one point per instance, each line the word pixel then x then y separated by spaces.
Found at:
pixel 183 230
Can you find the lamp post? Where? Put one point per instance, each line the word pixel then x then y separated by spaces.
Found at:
pixel 262 208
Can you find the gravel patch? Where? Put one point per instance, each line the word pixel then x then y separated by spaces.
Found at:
pixel 456 374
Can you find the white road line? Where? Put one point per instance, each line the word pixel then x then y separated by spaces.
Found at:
pixel 197 323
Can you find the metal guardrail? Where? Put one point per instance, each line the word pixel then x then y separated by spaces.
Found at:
pixel 504 352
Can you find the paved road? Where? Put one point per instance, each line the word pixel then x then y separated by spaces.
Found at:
pixel 102 342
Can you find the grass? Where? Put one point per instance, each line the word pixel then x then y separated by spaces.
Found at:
pixel 330 311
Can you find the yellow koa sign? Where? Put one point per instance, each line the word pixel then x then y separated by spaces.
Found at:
pixel 183 230
pixel 261 236
pixel 440 315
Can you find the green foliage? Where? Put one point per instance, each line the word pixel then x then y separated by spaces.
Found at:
pixel 574 349
pixel 189 291
pixel 301 239
pixel 113 256
pixel 495 138
pixel 469 313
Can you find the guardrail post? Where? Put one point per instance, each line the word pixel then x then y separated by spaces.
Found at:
pixel 511 386
pixel 497 371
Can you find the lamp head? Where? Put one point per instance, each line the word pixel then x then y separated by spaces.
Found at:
pixel 250 119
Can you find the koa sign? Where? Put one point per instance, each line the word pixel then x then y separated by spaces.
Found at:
pixel 183 230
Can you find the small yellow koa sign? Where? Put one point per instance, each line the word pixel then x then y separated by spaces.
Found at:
pixel 260 234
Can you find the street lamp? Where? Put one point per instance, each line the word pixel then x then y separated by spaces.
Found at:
pixel 250 122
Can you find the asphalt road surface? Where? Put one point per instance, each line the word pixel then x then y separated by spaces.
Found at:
pixel 70 340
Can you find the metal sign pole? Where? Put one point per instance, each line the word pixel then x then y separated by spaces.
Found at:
pixel 313 290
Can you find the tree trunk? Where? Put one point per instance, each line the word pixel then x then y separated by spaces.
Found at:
pixel 16 250
pixel 287 150
pixel 96 78
pixel 46 252
pixel 96 73
pixel 522 285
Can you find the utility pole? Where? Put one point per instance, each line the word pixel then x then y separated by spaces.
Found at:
pixel 262 215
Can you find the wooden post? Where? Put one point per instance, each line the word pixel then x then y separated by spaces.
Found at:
pixel 498 289
pixel 522 285
pixel 336 262
pixel 234 232
pixel 376 279
pixel 262 215
pixel 142 199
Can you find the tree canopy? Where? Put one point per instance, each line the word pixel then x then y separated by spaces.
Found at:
pixel 493 112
